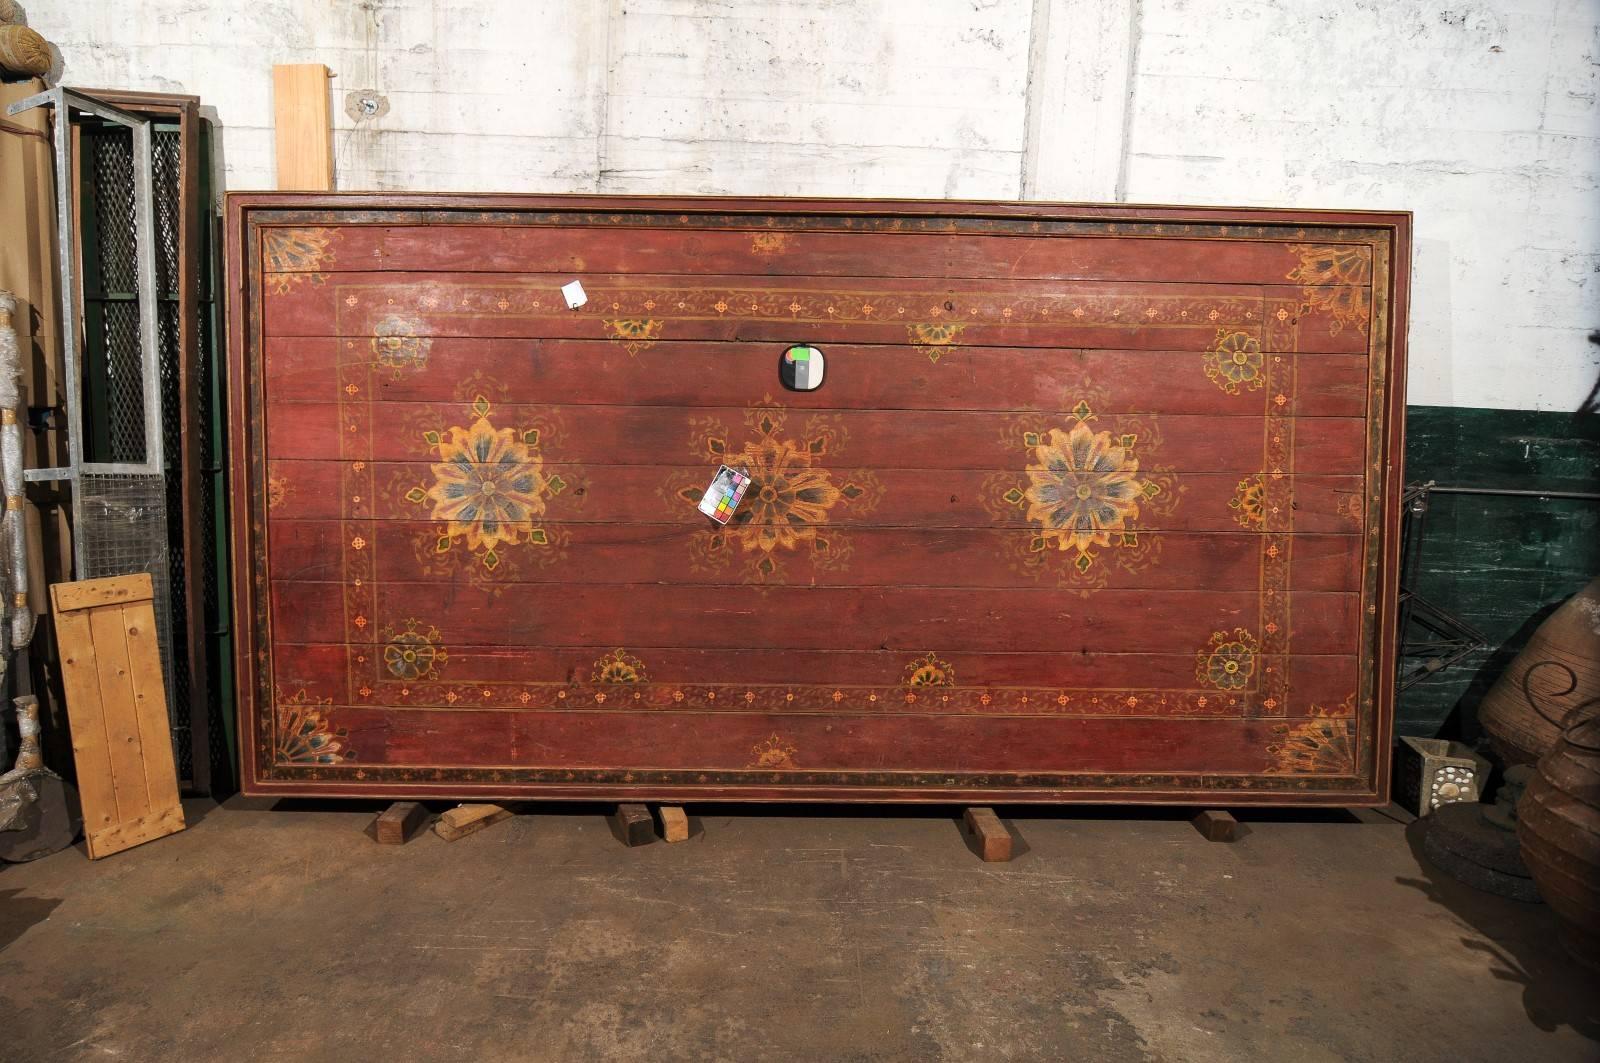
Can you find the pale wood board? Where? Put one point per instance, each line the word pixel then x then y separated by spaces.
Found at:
pixel 674 823
pixel 303 119
pixel 468 819
pixel 117 707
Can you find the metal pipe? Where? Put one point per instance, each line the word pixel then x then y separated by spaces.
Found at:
pixel 1513 492
pixel 144 216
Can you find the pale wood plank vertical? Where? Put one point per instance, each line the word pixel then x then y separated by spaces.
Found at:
pixel 80 679
pixel 150 703
pixel 123 740
pixel 303 118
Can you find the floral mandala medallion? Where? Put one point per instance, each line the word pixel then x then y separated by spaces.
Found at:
pixel 1229 661
pixel 304 734
pixel 1083 489
pixel 787 506
pixel 1235 361
pixel 413 653
pixel 1249 502
pixel 1084 494
pixel 396 345
pixel 489 487
pixel 618 666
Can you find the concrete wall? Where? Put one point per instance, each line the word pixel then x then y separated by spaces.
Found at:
pixel 1478 115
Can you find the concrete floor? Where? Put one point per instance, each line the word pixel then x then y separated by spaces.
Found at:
pixel 263 934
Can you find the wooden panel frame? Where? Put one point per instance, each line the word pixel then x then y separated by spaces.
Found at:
pixel 1366 784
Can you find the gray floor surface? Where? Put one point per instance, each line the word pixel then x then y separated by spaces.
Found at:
pixel 283 933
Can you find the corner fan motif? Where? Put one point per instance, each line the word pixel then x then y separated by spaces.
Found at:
pixel 304 734
pixel 293 255
pixel 1336 281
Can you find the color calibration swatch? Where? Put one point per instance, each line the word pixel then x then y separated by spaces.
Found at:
pixel 724 495
pixel 801 367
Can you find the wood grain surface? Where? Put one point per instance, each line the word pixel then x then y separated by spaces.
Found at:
pixel 1094 503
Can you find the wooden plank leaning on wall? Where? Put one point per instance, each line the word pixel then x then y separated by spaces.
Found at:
pixel 303 117
pixel 117 704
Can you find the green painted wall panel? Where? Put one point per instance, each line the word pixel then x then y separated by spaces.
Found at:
pixel 1500 563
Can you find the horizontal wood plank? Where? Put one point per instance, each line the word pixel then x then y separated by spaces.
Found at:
pixel 780 251
pixel 860 376
pixel 848 439
pixel 329 670
pixel 818 617
pixel 780 745
pixel 1119 315
pixel 635 553
pixel 927 499
pixel 112 590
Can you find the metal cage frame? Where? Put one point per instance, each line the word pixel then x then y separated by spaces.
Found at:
pixel 65 100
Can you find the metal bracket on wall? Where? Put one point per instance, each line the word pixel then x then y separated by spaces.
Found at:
pixel 65 101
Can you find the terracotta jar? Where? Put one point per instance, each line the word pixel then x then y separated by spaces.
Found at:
pixel 1569 637
pixel 1558 827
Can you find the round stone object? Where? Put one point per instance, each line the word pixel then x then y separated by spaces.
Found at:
pixel 1460 842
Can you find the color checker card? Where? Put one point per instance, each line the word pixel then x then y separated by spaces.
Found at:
pixel 724 495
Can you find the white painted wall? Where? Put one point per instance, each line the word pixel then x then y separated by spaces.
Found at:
pixel 1478 115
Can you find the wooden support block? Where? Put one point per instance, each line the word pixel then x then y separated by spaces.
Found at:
pixel 674 824
pixel 1217 826
pixel 633 826
pixel 399 822
pixel 303 119
pixel 994 841
pixel 463 820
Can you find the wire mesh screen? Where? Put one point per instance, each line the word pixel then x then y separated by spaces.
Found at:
pixel 123 529
pixel 123 519
pixel 115 297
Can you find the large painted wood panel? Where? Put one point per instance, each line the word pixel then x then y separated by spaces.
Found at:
pixel 1094 504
